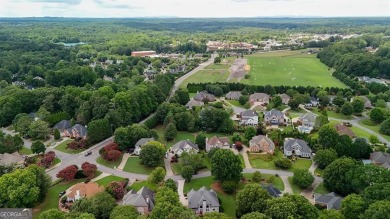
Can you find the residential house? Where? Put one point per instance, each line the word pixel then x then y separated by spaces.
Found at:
pixel 249 117
pixel 380 159
pixel 63 125
pixel 272 191
pixel 143 200
pixel 344 130
pixel 330 200
pixel 261 143
pixel 76 131
pixel 109 62
pixel 180 68
pixel 184 146
pixel 233 95
pixel 194 103
pixel 312 103
pixel 217 142
pixel 367 102
pixel 275 117
pixel 7 159
pixel 204 96
pixel 141 143
pixel 308 122
pixel 33 116
pixel 260 98
pixel 285 98
pixel 203 201
pixel 18 83
pixel 83 190
pixel 298 147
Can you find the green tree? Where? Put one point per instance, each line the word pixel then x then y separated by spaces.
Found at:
pixel 366 175
pixel 170 132
pixel 187 172
pixel 22 124
pixel 321 120
pixel 328 136
pixel 332 213
pixel 124 211
pixel 336 178
pixel 249 132
pixel 101 205
pixel 377 115
pixel 169 183
pixel 302 178
pixel 38 147
pixel 281 208
pixel 277 101
pixel 305 209
pixel 152 154
pixel 226 166
pixel 256 177
pixel 39 130
pixel 215 215
pixel 217 60
pixel 385 127
pixel 98 130
pixel 376 192
pixel 250 199
pixel 358 105
pixel 347 109
pixel 57 134
pixel 243 99
pixel 324 157
pixel 157 176
pixel 294 103
pixel 52 214
pixel 378 210
pixel 254 215
pixel 200 140
pixel 352 206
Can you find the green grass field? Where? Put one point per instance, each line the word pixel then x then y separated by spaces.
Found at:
pixel 291 68
pixel 109 164
pixel 207 75
pixel 133 166
pixel 294 187
pixel 63 145
pixel 321 189
pixel 25 151
pixel 106 180
pixel 373 127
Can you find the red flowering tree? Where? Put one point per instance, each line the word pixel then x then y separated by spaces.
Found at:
pixel 74 145
pixel 89 169
pixel 48 159
pixel 83 143
pixel 116 190
pixel 239 146
pixel 68 173
pixel 111 146
pixel 112 155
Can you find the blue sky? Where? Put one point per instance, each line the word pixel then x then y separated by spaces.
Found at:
pixel 193 8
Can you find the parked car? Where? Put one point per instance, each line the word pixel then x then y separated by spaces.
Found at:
pixel 61 193
pixel 348 124
pixel 88 153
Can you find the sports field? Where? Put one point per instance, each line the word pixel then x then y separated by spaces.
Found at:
pixel 294 68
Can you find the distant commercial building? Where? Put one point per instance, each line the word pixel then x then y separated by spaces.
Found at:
pixel 143 53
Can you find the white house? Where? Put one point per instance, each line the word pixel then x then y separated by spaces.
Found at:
pixel 296 147
pixel 217 142
pixel 249 117
pixel 203 201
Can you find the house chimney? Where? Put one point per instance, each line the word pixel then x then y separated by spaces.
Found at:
pixel 204 206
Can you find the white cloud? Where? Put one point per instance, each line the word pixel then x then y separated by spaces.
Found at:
pixel 193 8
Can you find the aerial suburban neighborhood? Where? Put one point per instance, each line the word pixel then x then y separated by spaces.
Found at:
pixel 178 117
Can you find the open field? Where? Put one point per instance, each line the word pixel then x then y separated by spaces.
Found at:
pixel 207 75
pixel 289 68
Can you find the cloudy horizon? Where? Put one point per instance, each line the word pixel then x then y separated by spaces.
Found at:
pixel 194 8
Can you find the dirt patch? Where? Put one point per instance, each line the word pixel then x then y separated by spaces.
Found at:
pixel 247 68
pixel 217 187
pixel 238 69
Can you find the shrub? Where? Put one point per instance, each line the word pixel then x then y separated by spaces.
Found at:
pixel 302 178
pixel 116 190
pixel 68 173
pixel 112 155
pixel 271 179
pixel 57 134
pixel 256 177
pixel 89 169
pixel 229 186
pixel 239 146
pixel 48 159
pixel 79 174
pixel 283 163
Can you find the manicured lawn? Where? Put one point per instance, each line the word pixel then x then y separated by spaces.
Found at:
pixel 63 145
pixel 321 189
pixel 133 166
pixel 109 164
pixel 56 161
pixel 319 171
pixel 301 164
pixel 218 66
pixel 138 185
pixel 294 187
pixel 52 198
pixel 277 183
pixel 242 161
pixel 106 180
pixel 295 113
pixel 264 161
pixel 207 76
pixel 373 127
pixel 206 162
pixel 359 132
pixel 332 114
pixel 235 103
pixel 289 68
pixel 25 151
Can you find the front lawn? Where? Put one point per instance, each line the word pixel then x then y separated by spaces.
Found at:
pixel 374 127
pixel 294 187
pixel 25 151
pixel 301 164
pixel 106 180
pixel 332 114
pixel 133 166
pixel 277 183
pixel 64 144
pixel 235 103
pixel 52 198
pixel 112 165
pixel 138 185
pixel 321 189
pixel 264 161
pixel 242 161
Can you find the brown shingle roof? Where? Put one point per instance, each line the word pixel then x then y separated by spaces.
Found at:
pixel 87 190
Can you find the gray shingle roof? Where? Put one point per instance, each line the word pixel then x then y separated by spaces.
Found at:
pixel 143 141
pixel 82 130
pixel 181 144
pixel 196 198
pixel 259 96
pixel 143 198
pixel 233 95
pixel 202 96
pixel 380 157
pixel 272 191
pixel 64 124
pixel 309 117
pixel 290 143
pixel 248 113
pixel 274 112
pixel 331 199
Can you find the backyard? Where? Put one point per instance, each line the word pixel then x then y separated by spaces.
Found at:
pixel 133 166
